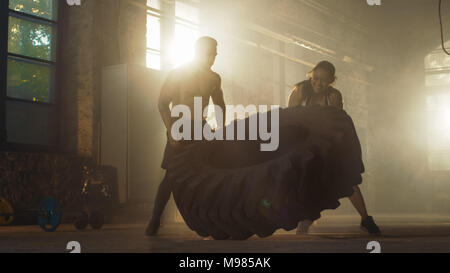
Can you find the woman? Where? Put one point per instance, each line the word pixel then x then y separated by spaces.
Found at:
pixel 318 90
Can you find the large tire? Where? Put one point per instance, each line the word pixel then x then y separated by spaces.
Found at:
pixel 230 189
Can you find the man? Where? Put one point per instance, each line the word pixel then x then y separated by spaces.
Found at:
pixel 195 79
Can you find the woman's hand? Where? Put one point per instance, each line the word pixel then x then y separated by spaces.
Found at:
pixel 327 122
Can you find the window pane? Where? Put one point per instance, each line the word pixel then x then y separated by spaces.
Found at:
pixel 438 107
pixel 29 81
pixel 438 102
pixel 437 60
pixel 153 32
pixel 186 12
pixel 185 38
pixel 437 79
pixel 156 4
pixel 43 8
pixel 30 39
pixel 30 124
pixel 153 60
pixel 438 110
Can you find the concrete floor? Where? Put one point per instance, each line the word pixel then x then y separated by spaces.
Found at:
pixel 335 234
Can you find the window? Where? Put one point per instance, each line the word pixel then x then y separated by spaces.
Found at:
pixel 184 21
pixel 154 34
pixel 437 80
pixel 186 33
pixel 29 105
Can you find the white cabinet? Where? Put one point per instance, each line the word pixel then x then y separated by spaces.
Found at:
pixel 133 135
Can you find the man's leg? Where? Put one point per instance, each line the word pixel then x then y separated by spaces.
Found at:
pixel 162 197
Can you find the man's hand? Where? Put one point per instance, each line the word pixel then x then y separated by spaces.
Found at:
pixel 175 144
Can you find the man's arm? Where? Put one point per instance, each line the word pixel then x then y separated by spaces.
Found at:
pixel 296 96
pixel 217 98
pixel 166 95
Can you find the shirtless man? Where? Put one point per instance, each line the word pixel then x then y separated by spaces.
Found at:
pixel 195 79
pixel 318 91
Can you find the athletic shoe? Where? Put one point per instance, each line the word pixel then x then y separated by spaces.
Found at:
pixel 368 225
pixel 304 226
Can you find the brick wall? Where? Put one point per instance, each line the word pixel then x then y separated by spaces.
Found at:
pixel 27 178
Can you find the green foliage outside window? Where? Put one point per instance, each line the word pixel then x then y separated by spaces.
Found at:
pixel 30 70
pixel 30 39
pixel 30 81
pixel 42 8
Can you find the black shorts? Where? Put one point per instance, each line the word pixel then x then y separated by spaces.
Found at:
pixel 168 152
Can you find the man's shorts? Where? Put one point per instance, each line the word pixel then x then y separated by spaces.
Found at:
pixel 169 151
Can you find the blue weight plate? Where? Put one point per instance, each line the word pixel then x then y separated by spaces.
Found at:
pixel 49 215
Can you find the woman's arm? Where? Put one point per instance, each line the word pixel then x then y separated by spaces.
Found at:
pixel 335 98
pixel 296 96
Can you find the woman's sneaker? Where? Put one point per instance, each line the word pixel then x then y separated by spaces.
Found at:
pixel 368 225
pixel 303 227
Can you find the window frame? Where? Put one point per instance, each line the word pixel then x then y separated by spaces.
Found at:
pixel 4 21
pixel 433 90
pixel 168 23
pixel 152 12
pixel 54 105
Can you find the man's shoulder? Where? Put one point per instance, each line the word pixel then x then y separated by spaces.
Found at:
pixel 174 73
pixel 180 70
pixel 214 78
pixel 180 73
